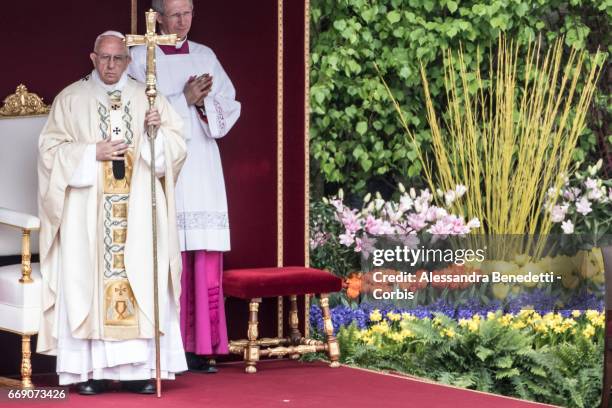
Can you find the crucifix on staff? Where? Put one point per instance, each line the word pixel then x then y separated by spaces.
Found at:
pixel 150 40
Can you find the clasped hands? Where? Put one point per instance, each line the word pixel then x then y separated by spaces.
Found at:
pixel 197 88
pixel 115 149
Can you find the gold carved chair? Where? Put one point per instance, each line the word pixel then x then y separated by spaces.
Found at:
pixel 20 292
pixel 22 117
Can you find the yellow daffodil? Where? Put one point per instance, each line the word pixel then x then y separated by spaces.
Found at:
pixel 448 333
pixel 408 316
pixel 382 327
pixel 375 316
pixel 394 317
pixel 589 331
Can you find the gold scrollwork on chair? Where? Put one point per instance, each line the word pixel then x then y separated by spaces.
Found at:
pixel 23 103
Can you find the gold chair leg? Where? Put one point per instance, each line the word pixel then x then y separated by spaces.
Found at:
pixel 333 350
pixel 294 321
pixel 251 353
pixel 26 256
pixel 26 363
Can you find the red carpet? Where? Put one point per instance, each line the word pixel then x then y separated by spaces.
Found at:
pixel 291 384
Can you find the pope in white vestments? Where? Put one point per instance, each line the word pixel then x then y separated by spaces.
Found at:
pixel 96 244
pixel 191 77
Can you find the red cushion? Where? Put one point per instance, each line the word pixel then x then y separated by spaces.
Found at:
pixel 269 282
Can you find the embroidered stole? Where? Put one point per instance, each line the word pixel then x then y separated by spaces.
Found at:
pixel 120 309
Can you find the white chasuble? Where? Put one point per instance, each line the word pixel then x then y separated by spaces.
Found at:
pixel 201 202
pixel 96 238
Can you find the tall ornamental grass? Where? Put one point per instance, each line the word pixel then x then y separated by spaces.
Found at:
pixel 510 137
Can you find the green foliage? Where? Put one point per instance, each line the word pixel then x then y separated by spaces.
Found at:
pixel 356 137
pixel 495 355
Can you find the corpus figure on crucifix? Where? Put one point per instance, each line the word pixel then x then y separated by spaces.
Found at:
pixel 198 88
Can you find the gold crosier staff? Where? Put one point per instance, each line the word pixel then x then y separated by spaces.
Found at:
pixel 151 39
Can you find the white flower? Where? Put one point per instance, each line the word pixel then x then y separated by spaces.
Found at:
pixel 460 190
pixel 566 179
pixel 337 205
pixel 412 193
pixel 583 206
pixel 567 227
pixel 439 213
pixel 379 203
pixel 426 195
pixel 596 194
pixel 405 203
pixel 367 198
pixel 590 183
pixel 598 164
pixel 571 193
pixel 594 169
pixel 392 213
pixel 401 187
pixel 449 197
pixel 551 193
pixel 419 207
pixel 341 194
pixel 473 223
pixel 558 212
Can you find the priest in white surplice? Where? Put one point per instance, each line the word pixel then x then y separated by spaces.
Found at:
pixel 197 86
pixel 96 236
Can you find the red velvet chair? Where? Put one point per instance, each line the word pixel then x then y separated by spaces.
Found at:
pixel 255 284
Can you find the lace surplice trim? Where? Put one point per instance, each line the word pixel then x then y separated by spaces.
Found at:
pixel 197 220
pixel 220 117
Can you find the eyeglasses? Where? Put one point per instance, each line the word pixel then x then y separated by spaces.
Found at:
pixel 184 15
pixel 117 59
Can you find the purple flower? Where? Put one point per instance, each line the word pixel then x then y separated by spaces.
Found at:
pixel 367 245
pixel 372 225
pixel 350 220
pixel 417 221
pixel 347 239
pixel 410 241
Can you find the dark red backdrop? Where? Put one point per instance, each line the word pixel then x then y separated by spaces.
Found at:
pixel 48 48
